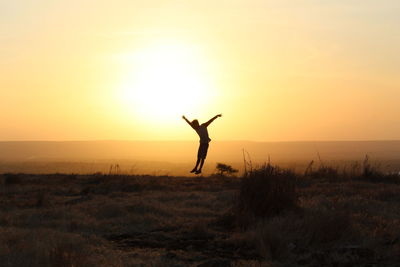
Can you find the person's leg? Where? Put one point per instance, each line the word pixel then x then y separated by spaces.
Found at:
pixel 202 155
pixel 197 164
pixel 199 152
pixel 201 166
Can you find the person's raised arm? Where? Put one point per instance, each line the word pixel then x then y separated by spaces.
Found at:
pixel 183 117
pixel 212 119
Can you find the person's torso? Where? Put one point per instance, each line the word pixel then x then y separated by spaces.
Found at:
pixel 203 134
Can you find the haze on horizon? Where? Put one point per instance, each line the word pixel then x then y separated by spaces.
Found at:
pixel 277 70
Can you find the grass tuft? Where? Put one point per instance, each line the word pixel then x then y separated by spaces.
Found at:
pixel 265 192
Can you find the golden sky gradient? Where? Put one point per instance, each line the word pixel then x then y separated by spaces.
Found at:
pixel 277 70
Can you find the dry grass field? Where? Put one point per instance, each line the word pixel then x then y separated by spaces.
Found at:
pixel 271 217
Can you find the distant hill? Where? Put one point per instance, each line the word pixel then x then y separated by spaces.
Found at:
pixel 177 157
pixel 185 151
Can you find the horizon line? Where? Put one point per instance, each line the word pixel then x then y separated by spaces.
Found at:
pixel 192 140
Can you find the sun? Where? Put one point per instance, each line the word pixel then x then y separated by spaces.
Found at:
pixel 165 81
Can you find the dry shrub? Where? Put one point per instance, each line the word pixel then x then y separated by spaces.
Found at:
pixel 364 171
pixel 223 169
pixel 264 192
pixel 372 173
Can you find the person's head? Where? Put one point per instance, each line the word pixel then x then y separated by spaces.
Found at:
pixel 195 123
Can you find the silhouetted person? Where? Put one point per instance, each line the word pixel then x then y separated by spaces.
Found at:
pixel 201 130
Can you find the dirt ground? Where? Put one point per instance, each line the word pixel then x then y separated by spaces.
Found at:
pixel 103 220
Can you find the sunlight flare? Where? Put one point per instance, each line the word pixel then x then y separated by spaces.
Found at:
pixel 165 81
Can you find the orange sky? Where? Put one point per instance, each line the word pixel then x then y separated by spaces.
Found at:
pixel 278 70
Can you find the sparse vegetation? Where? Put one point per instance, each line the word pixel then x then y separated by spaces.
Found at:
pixel 225 169
pixel 265 192
pixel 272 216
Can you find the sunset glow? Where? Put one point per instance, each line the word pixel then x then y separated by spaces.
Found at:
pixel 278 70
pixel 165 80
